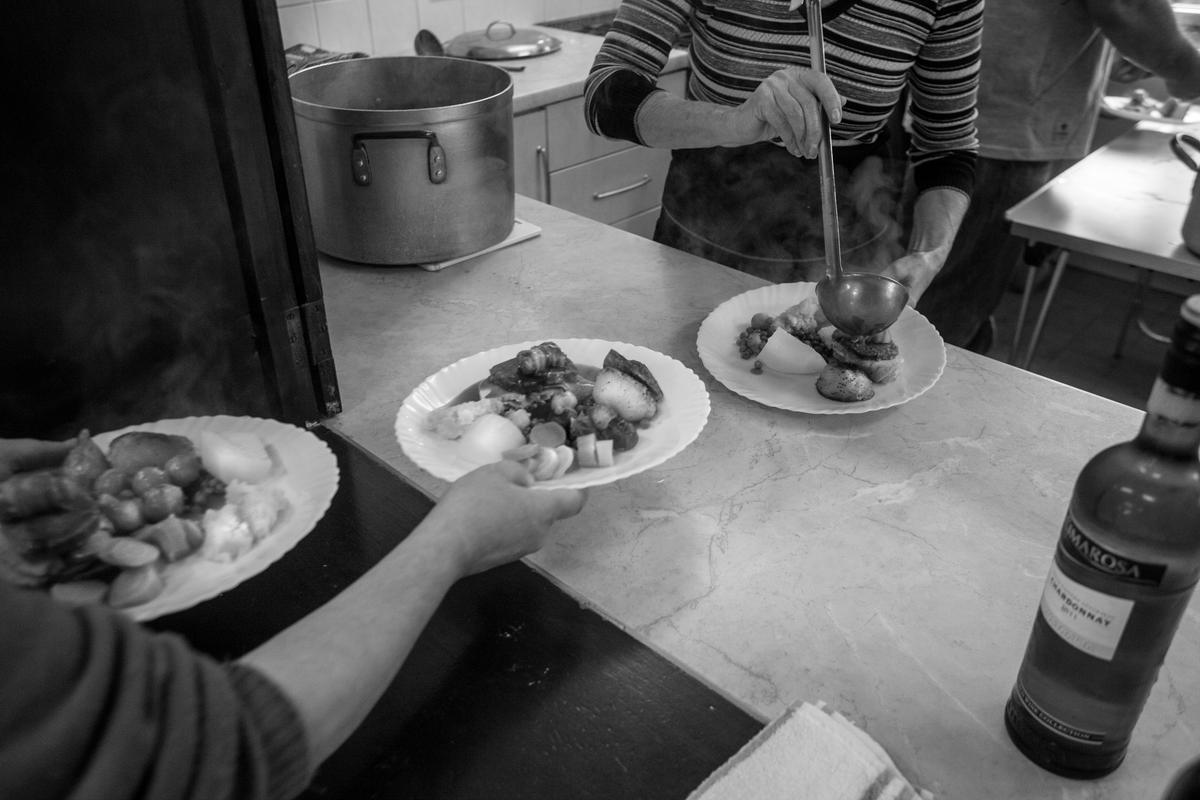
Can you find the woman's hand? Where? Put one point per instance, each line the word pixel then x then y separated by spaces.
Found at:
pixel 491 516
pixel 916 271
pixel 787 105
pixel 20 455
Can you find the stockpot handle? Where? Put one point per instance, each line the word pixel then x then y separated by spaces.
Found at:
pixel 360 164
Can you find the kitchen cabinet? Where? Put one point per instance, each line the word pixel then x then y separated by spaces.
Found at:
pixel 558 161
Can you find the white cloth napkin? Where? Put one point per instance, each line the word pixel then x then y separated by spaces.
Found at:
pixel 809 753
pixel 521 231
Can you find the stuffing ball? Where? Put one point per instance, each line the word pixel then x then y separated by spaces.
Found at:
pixel 627 396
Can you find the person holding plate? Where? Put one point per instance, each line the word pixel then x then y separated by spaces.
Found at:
pixel 94 705
pixel 743 187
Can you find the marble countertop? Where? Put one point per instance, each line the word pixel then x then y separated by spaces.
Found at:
pixel 888 563
pixel 560 75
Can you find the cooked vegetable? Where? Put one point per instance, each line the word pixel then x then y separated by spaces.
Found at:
pixel 173 537
pixel 629 397
pixel 160 502
pixel 585 449
pixel 488 437
pixel 132 451
pixel 112 482
pixel 146 479
pixel 451 422
pixel 184 469
pixel 85 461
pixel 125 513
pixel 548 434
pixel 125 551
pixel 636 370
pixel 240 456
pixel 604 452
pixel 132 587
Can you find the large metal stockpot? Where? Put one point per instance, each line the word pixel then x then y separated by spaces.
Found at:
pixel 407 159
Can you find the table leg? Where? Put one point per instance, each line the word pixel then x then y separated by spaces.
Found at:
pixel 1135 310
pixel 1030 277
pixel 1060 264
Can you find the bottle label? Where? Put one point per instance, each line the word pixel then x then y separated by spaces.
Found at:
pixel 1077 735
pixel 1075 544
pixel 1174 403
pixel 1089 620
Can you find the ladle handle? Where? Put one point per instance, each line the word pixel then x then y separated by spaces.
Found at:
pixel 829 213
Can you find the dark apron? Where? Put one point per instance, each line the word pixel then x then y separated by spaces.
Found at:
pixel 757 208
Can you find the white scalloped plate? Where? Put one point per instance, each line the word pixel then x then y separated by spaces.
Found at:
pixel 921 348
pixel 681 416
pixel 1123 108
pixel 310 481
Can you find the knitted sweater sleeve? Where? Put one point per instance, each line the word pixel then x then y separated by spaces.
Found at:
pixel 944 83
pixel 94 705
pixel 629 63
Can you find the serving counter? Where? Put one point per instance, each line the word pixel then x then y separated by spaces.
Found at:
pixel 888 563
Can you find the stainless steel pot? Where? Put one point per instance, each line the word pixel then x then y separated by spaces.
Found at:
pixel 407 159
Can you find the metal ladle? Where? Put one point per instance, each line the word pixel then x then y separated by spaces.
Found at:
pixel 857 303
pixel 426 43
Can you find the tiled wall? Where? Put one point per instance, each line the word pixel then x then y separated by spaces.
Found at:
pixel 387 27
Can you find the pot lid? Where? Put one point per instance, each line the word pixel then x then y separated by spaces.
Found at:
pixel 502 40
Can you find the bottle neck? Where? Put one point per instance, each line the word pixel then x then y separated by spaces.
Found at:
pixel 1172 422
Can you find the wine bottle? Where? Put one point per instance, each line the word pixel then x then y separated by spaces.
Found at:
pixel 1127 561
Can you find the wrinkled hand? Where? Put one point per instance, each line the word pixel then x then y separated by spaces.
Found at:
pixel 787 105
pixel 20 455
pixel 916 271
pixel 490 516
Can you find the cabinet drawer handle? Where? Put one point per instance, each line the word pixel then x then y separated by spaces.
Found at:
pixel 613 192
pixel 543 160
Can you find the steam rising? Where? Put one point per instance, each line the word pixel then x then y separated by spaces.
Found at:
pixel 758 209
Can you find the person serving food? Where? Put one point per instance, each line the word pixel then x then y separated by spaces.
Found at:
pixel 743 186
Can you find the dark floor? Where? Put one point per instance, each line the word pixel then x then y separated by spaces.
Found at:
pixel 1080 336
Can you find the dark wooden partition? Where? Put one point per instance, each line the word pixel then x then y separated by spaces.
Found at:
pixel 158 254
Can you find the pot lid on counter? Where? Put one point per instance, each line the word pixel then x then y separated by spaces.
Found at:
pixel 502 40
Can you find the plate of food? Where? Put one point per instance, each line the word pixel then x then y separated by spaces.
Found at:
pixel 578 412
pixel 1138 105
pixel 156 518
pixel 772 345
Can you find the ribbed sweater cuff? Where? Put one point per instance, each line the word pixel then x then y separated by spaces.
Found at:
pixel 951 171
pixel 280 730
pixel 617 101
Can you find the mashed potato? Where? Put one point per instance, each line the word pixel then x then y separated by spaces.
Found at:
pixel 249 514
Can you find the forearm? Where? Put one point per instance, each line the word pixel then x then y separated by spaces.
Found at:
pixel 937 215
pixel 1146 32
pixel 669 121
pixel 335 663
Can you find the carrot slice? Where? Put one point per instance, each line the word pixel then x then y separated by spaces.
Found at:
pixel 548 434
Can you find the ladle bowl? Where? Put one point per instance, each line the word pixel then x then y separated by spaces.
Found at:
pixel 861 303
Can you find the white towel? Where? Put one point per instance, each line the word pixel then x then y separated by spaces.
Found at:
pixel 521 231
pixel 809 753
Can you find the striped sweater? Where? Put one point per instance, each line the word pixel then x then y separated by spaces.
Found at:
pixel 874 49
